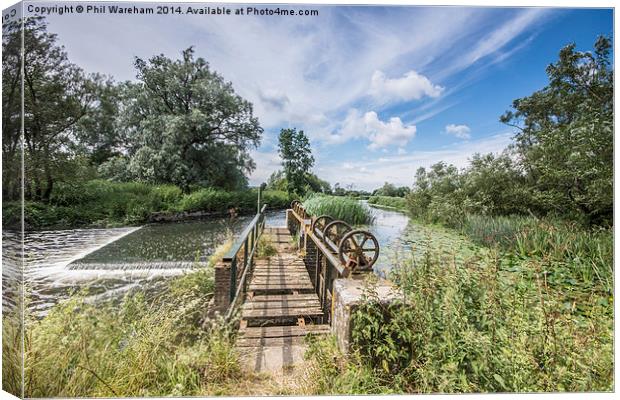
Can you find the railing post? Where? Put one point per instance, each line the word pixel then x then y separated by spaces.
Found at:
pixel 233 279
pixel 245 254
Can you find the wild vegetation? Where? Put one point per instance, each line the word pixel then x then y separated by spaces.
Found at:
pixel 397 203
pixel 339 208
pixel 527 306
pixel 147 345
pixel 102 203
pixel 562 162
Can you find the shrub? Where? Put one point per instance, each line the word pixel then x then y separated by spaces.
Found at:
pixel 486 325
pixel 265 248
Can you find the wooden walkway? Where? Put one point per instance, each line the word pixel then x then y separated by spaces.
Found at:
pixel 280 309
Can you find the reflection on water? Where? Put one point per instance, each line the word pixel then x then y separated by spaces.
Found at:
pixel 388 227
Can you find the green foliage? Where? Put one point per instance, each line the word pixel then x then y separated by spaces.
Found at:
pixel 107 203
pixel 572 253
pixel 297 159
pixel 565 136
pixel 488 324
pixel 339 208
pixel 161 346
pixel 187 126
pixel 330 372
pixel 398 203
pixel 382 334
pixel 390 190
pixel 58 94
pixel 277 181
pixel 265 248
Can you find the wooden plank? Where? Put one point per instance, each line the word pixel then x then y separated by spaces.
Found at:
pixel 281 304
pixel 281 297
pixel 281 331
pixel 301 285
pixel 282 312
pixel 258 280
pixel 262 287
pixel 283 272
pixel 271 342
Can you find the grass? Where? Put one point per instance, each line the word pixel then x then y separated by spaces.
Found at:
pixel 339 208
pixel 12 361
pixel 491 324
pixel 571 252
pixel 158 346
pixel 265 248
pixel 101 203
pixel 397 203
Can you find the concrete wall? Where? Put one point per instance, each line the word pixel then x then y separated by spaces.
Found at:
pixel 347 295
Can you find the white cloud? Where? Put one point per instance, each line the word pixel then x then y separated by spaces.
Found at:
pixel 266 163
pixel 380 133
pixel 274 99
pixel 460 131
pixel 288 68
pixel 400 169
pixel 412 86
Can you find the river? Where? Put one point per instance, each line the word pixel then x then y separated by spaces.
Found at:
pixel 107 263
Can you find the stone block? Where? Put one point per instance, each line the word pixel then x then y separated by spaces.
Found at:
pixel 347 296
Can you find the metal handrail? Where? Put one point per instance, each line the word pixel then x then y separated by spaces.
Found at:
pixel 247 242
pixel 331 257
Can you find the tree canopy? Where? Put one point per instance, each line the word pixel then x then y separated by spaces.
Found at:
pixel 297 159
pixel 562 160
pixel 57 95
pixel 186 125
pixel 565 137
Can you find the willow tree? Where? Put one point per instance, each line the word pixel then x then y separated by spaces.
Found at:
pixel 186 125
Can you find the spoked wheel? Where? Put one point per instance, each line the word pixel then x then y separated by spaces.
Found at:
pixel 319 225
pixel 358 250
pixel 335 231
pixel 298 208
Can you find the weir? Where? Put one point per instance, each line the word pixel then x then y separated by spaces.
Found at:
pixel 284 297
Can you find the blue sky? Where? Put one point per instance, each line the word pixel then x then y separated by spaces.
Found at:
pixel 380 91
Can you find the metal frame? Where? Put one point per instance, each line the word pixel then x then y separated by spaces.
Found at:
pixel 246 243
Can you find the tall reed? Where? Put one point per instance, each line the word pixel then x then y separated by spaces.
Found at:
pixel 339 208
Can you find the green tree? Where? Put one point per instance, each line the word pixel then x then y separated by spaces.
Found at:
pixel 187 126
pixel 101 133
pixel 57 95
pixel 317 185
pixel 11 110
pixel 297 159
pixel 565 136
pixel 389 189
pixel 496 185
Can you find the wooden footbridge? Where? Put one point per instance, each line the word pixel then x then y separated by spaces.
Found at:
pixel 280 299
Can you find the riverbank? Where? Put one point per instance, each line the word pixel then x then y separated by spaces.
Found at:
pixel 389 202
pixel 491 309
pixel 105 204
pixel 479 316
